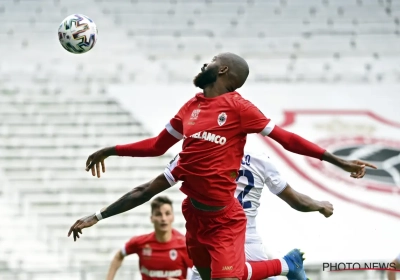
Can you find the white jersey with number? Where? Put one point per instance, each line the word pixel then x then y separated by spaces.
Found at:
pixel 256 171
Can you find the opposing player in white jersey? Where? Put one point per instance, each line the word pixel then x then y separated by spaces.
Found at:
pixel 258 171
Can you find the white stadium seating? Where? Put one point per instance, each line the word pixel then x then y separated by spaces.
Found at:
pixel 55 109
pixel 47 189
pixel 134 31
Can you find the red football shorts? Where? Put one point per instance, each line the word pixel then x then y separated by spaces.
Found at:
pixel 215 239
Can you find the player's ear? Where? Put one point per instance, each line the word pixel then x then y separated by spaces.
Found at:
pixel 223 70
pixel 151 219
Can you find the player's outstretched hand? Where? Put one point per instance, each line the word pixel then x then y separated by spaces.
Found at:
pixel 356 167
pixel 96 159
pixel 327 209
pixel 82 223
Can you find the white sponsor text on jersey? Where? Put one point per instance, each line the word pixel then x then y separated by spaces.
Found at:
pixel 161 273
pixel 217 139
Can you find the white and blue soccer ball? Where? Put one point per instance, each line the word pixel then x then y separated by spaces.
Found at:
pixel 77 33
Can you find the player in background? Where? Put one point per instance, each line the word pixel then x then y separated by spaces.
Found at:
pixel 392 274
pixel 257 171
pixel 162 253
pixel 214 125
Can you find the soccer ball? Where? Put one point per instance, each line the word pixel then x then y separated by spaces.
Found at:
pixel 77 33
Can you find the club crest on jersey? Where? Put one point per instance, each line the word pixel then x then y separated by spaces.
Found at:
pixel 222 118
pixel 146 250
pixel 195 114
pixel 173 254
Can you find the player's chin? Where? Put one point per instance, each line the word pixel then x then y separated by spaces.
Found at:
pixel 196 82
pixel 164 227
pixel 199 86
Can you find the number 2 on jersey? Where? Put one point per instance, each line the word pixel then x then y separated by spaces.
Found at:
pixel 249 186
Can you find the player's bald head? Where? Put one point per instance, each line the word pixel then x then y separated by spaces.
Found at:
pixel 226 69
pixel 238 69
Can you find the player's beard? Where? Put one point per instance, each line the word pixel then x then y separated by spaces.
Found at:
pixel 206 77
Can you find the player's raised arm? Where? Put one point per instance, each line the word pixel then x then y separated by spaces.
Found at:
pixel 130 200
pixel 296 144
pixel 254 121
pixel 152 147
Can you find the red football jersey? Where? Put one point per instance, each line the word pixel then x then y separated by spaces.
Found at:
pixel 160 260
pixel 214 132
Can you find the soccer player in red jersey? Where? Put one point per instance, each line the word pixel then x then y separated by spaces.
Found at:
pixel 162 253
pixel 214 125
pixel 257 266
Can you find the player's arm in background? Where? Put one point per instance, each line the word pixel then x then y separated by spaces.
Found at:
pixel 129 248
pixel 298 201
pixel 392 274
pixel 152 147
pixel 115 265
pixel 254 121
